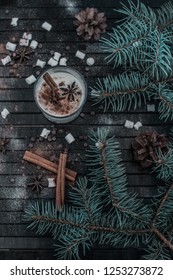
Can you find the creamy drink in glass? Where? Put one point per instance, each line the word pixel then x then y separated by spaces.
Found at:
pixel 63 103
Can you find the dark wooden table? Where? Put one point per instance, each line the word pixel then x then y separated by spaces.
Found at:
pixel 26 121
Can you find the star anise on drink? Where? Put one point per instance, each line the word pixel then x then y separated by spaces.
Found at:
pixel 3 143
pixel 71 91
pixel 22 54
pixel 36 183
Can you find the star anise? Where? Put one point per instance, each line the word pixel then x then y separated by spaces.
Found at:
pixel 71 90
pixel 3 143
pixel 23 54
pixel 36 183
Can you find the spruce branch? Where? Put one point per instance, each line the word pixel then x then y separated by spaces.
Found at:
pixel 163 238
pixel 105 168
pixel 165 17
pixel 164 165
pixel 74 231
pixel 142 42
pixel 68 248
pixel 124 44
pixel 162 203
pixel 157 251
pixel 156 55
pixel 122 92
pixel 87 199
pixel 165 108
pixel 162 218
pixel 137 12
pixel 87 222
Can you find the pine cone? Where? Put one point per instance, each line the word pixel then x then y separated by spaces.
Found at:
pixel 145 146
pixel 90 23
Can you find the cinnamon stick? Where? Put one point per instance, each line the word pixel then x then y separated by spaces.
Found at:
pixel 53 167
pixel 50 81
pixel 64 160
pixel 58 183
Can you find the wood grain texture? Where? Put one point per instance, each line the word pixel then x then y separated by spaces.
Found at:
pixel 26 121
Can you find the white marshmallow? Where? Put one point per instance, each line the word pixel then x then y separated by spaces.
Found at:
pixel 14 21
pixel 151 107
pixel 6 60
pixel 27 36
pixel 51 182
pixel 90 61
pixel 10 46
pixel 99 145
pixel 47 26
pixel 69 138
pixel 137 44
pixel 63 61
pixel 24 42
pixel 30 80
pixel 52 62
pixel 33 44
pixel 137 125
pixel 80 54
pixel 45 132
pixel 5 113
pixel 56 56
pixel 129 124
pixel 40 63
pixel 95 92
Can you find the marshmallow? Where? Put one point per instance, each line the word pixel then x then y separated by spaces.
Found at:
pixel 5 113
pixel 27 36
pixel 52 62
pixel 51 182
pixel 69 138
pixel 63 61
pixel 14 21
pixel 137 125
pixel 95 92
pixel 40 63
pixel 80 54
pixel 99 145
pixel 6 60
pixel 10 46
pixel 24 42
pixel 56 56
pixel 129 124
pixel 30 80
pixel 137 44
pixel 47 26
pixel 33 44
pixel 45 132
pixel 90 61
pixel 151 107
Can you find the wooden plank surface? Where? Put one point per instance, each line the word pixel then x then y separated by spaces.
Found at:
pixel 26 121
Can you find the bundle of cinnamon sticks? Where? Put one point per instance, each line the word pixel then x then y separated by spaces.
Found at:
pixel 59 169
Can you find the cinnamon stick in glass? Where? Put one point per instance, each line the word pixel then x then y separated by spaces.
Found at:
pixel 50 81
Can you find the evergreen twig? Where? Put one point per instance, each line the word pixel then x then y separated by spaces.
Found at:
pixel 124 220
pixel 142 42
